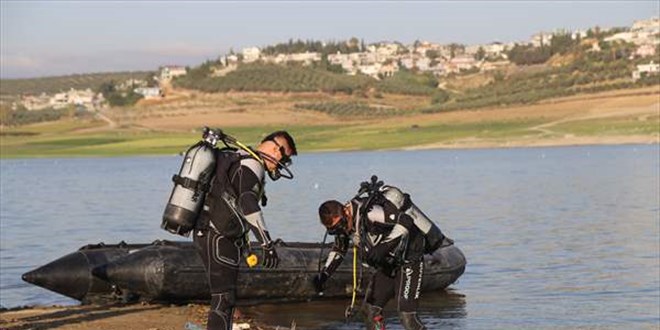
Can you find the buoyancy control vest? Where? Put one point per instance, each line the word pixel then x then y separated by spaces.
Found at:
pixel 376 223
pixel 221 211
pixel 432 233
pixel 190 188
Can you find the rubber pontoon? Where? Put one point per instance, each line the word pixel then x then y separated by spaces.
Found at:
pixel 173 272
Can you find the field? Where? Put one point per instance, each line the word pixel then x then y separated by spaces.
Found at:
pixel 168 126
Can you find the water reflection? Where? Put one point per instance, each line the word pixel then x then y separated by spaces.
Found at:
pixel 438 310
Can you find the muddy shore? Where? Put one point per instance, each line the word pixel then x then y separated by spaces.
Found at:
pixel 139 316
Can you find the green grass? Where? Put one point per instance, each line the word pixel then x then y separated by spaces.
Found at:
pixel 611 126
pixel 53 140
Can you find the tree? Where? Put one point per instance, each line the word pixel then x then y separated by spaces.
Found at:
pixel 432 54
pixel 453 49
pixel 481 54
pixel 440 96
pixel 498 76
pixel 561 43
pixel 150 78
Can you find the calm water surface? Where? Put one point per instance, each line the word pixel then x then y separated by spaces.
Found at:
pixel 556 238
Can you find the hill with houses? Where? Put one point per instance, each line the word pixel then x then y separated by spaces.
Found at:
pixel 449 76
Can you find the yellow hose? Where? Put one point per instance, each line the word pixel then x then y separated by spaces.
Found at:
pixel 354 276
pixel 244 147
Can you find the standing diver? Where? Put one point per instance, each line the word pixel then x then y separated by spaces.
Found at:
pixel 231 209
pixel 392 235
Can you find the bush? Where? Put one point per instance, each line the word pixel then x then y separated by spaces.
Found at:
pixel 24 117
pixel 439 97
pixel 277 78
pixel 349 109
pixel 408 83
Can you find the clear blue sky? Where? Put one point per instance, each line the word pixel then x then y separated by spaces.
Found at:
pixel 45 38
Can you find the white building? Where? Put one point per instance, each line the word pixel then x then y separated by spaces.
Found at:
pixel 645 50
pixel 645 70
pixel 371 70
pixel 149 92
pixel 251 54
pixel 306 58
pixel 494 49
pixel 384 50
pixel 541 38
pixel 171 71
pixel 388 70
pixel 651 25
pixel 463 62
pixel 578 34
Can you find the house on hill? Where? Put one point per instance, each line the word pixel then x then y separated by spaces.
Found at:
pixel 644 70
pixel 251 54
pixel 170 71
pixel 149 93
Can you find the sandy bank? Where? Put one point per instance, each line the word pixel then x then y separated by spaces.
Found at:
pixel 110 317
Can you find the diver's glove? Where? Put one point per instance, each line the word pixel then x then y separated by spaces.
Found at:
pixel 270 259
pixel 319 281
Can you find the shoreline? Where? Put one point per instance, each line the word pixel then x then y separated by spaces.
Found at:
pixel 568 141
pixel 118 316
pixel 464 144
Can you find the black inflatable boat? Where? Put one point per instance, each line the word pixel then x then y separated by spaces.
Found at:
pixel 173 272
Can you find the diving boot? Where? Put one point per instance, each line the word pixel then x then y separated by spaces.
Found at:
pixel 411 321
pixel 374 317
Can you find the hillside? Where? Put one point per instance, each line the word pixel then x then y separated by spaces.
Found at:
pixel 49 85
pixel 570 91
pixel 168 127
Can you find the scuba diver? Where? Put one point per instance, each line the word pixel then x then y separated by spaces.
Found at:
pixel 392 236
pixel 230 210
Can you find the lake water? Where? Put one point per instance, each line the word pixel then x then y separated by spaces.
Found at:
pixel 556 238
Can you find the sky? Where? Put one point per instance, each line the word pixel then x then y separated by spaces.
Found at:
pixel 48 38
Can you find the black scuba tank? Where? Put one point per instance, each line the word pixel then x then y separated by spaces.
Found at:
pixel 190 186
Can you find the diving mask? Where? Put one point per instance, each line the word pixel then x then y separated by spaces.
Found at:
pixel 341 227
pixel 282 164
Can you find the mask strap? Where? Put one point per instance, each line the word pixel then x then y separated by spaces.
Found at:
pixel 280 166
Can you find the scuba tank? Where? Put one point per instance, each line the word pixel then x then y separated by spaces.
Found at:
pixel 433 234
pixel 191 185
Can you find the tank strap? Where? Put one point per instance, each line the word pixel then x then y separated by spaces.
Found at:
pixel 407 203
pixel 189 183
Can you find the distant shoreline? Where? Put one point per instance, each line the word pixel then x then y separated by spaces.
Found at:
pixel 466 145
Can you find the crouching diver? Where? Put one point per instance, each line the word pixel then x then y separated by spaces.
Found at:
pixel 231 209
pixel 392 235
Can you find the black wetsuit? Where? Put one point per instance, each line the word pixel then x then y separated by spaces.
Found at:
pixel 394 246
pixel 221 249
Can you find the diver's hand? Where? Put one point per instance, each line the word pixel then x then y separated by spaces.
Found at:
pixel 319 281
pixel 270 259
